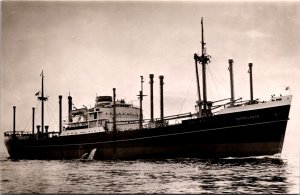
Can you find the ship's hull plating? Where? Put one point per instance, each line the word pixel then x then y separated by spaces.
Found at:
pixel 248 133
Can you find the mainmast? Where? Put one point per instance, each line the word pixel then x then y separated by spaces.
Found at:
pixel 203 66
pixel 204 60
pixel 42 98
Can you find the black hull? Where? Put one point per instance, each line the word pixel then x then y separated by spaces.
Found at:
pixel 248 133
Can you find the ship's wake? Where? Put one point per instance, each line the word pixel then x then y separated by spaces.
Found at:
pixel 251 160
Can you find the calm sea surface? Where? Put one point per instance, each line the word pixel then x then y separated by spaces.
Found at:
pixel 264 174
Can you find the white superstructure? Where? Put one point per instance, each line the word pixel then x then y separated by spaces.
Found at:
pixel 100 118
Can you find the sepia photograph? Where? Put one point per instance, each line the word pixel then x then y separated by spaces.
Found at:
pixel 150 96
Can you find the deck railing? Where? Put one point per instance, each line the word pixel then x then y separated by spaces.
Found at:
pixel 29 134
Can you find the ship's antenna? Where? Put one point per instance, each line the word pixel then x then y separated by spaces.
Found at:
pixel 142 81
pixel 203 50
pixel 204 60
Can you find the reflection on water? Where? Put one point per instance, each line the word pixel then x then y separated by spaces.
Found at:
pixel 269 174
pixel 247 175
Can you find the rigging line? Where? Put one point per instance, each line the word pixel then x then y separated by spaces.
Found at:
pixel 50 113
pixel 55 119
pixel 186 92
pixel 214 83
pixel 243 90
pixel 37 106
pixel 29 122
pixel 50 118
pixel 47 108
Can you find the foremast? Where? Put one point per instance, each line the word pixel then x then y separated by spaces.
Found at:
pixel 204 59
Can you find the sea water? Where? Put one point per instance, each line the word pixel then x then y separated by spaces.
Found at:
pixel 263 174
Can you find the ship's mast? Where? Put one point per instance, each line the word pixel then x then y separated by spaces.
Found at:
pixel 141 95
pixel 203 66
pixel 161 83
pixel 42 98
pixel 198 87
pixel 251 83
pixel 204 60
pixel 42 102
pixel 151 97
pixel 114 111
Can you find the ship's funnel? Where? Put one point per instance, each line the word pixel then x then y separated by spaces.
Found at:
pixel 161 78
pixel 230 68
pixel 151 97
pixel 60 113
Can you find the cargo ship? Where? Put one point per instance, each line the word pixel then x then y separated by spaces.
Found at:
pixel 115 129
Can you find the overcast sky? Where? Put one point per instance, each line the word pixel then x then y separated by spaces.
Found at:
pixel 88 48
